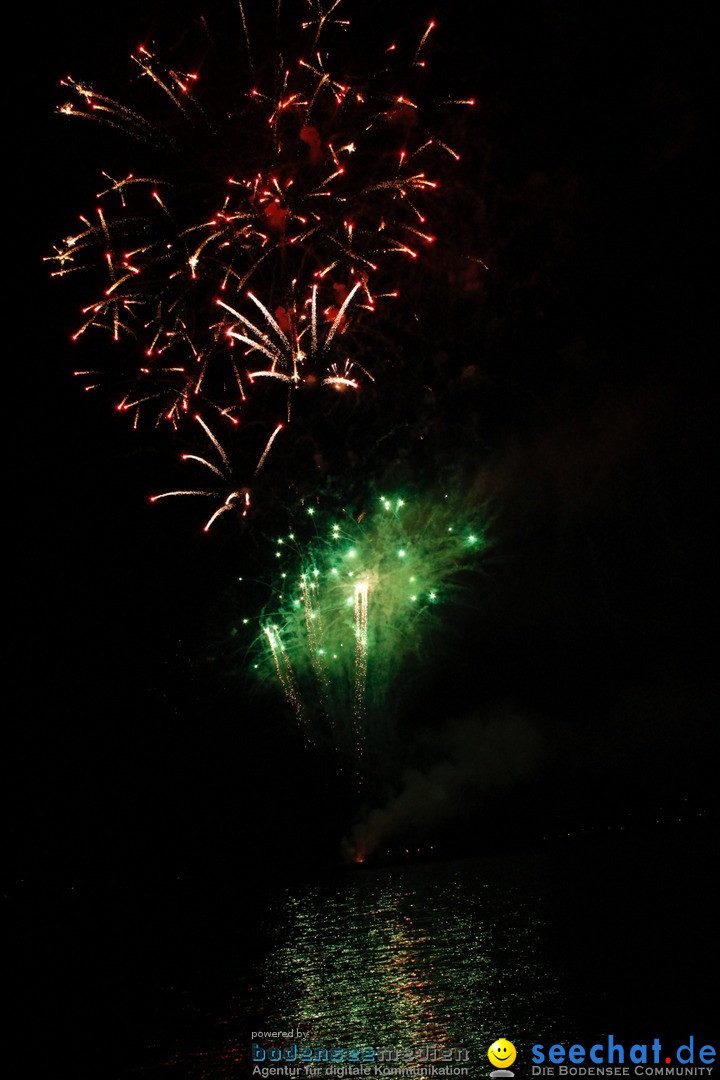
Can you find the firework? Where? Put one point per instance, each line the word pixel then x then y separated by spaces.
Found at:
pixel 241 262
pixel 243 258
pixel 354 600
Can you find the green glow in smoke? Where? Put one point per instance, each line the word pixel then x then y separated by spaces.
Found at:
pixel 355 601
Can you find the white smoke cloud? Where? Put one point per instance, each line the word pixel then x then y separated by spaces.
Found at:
pixel 479 755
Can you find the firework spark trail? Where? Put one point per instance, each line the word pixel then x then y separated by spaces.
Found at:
pixel 361 655
pixel 235 499
pixel 365 596
pixel 316 637
pixel 283 668
pixel 266 451
pixel 328 206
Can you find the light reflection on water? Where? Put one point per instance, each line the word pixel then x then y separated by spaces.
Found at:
pixel 450 954
pixel 429 953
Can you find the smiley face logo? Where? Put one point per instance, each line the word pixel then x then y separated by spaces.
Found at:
pixel 502 1054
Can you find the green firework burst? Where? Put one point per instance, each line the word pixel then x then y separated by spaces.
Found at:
pixel 355 601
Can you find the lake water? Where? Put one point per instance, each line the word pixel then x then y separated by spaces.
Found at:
pixel 558 945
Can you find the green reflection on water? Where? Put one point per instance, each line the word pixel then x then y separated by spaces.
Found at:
pixel 440 954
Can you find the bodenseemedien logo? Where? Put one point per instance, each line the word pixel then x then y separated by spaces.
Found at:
pixel 502 1054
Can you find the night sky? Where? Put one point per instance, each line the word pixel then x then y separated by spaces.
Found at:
pixel 578 370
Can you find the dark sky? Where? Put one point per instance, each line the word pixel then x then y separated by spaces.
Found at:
pixel 580 364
